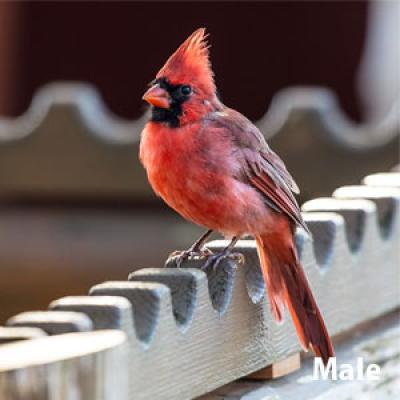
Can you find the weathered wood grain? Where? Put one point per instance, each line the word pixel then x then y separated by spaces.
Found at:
pixel 39 157
pixel 189 333
pixel 377 342
pixel 79 366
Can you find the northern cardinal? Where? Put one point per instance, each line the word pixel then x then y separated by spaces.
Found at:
pixel 213 166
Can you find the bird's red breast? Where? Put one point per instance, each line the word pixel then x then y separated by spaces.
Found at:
pixel 193 171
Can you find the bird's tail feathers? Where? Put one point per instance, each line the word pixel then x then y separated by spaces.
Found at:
pixel 287 284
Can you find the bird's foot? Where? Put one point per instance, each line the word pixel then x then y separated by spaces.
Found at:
pixel 180 256
pixel 215 259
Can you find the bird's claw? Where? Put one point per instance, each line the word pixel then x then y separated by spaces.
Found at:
pixel 180 256
pixel 215 259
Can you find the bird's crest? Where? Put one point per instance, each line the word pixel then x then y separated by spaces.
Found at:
pixel 190 63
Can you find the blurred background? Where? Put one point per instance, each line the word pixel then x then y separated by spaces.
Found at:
pixel 119 46
pixel 75 207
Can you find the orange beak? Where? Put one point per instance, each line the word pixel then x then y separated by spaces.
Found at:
pixel 157 97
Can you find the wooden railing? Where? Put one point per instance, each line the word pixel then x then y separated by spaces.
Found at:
pixel 182 333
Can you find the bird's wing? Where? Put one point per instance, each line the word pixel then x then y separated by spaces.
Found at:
pixel 261 167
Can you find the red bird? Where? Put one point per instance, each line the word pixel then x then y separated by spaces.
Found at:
pixel 214 167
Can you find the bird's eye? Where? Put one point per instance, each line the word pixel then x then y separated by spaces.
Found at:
pixel 186 90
